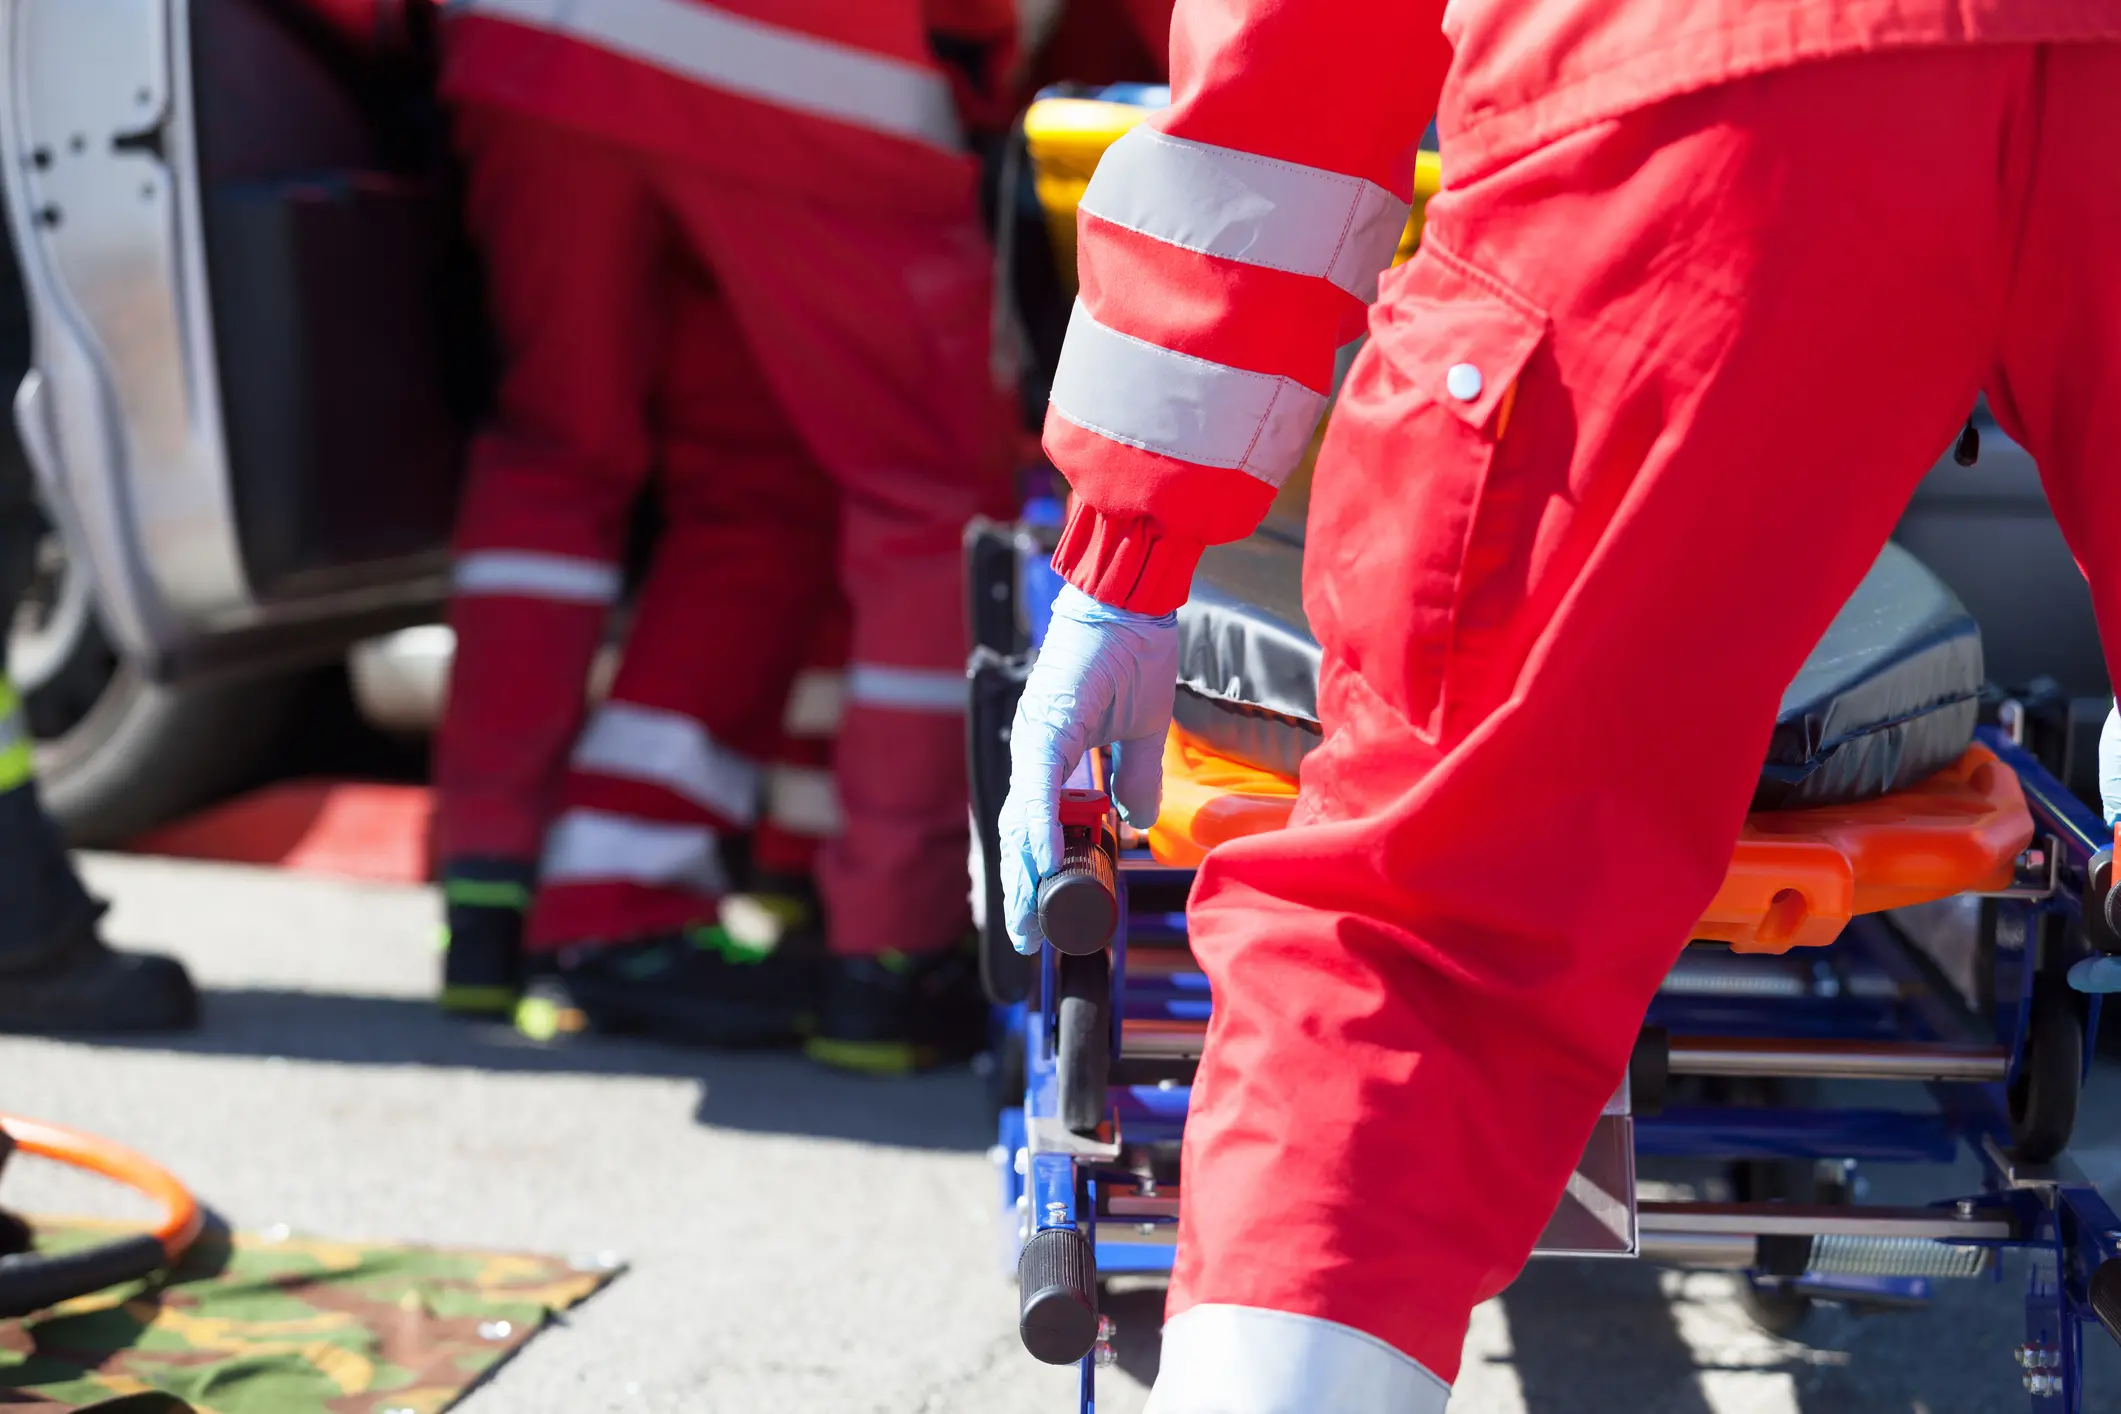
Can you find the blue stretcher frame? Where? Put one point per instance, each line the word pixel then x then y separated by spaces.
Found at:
pixel 1871 985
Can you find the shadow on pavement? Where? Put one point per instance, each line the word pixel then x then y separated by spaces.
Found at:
pixel 768 1092
pixel 1595 1337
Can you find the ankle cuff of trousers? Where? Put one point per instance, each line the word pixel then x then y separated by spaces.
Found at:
pixel 1249 1360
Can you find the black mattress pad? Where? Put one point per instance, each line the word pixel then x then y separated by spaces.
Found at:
pixel 1890 695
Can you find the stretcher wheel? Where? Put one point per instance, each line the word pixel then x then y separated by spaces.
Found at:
pixel 1772 1306
pixel 2043 1095
pixel 1057 1290
pixel 1083 1051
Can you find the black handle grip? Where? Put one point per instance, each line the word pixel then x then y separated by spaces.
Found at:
pixel 32 1281
pixel 2099 882
pixel 1056 1281
pixel 1078 903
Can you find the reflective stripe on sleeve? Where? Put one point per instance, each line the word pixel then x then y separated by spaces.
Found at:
pixel 594 847
pixel 815 705
pixel 803 801
pixel 671 750
pixel 1221 1359
pixel 532 574
pixel 1131 391
pixel 784 67
pixel 907 689
pixel 1243 207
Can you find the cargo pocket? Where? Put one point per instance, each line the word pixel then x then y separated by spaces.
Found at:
pixel 1454 343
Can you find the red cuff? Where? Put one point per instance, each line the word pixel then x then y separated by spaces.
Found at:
pixel 1126 561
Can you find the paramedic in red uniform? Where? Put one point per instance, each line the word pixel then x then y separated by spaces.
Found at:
pixel 1708 285
pixel 735 242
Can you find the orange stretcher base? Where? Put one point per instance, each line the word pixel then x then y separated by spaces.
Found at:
pixel 1796 878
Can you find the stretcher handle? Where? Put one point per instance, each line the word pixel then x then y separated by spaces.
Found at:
pixel 1078 903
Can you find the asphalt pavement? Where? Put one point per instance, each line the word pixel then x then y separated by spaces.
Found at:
pixel 797 1240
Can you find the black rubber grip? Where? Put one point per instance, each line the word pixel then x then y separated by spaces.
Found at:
pixel 1056 1280
pixel 34 1280
pixel 1078 903
pixel 2106 1295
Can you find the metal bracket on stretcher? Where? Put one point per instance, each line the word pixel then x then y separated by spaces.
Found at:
pixel 1796 878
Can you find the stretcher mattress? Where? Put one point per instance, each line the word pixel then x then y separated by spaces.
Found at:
pixel 1889 697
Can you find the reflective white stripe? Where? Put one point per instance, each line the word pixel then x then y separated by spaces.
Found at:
pixel 803 800
pixel 784 67
pixel 671 750
pixel 1132 391
pixel 1243 207
pixel 14 728
pixel 535 575
pixel 816 704
pixel 908 689
pixel 592 847
pixel 1248 1360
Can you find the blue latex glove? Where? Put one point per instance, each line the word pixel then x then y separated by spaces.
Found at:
pixel 2110 766
pixel 1104 677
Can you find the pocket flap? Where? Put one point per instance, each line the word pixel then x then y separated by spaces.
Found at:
pixel 1461 338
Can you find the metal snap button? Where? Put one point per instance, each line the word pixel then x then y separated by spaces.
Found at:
pixel 1463 382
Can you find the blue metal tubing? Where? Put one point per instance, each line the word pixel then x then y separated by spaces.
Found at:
pixel 1135 1258
pixel 2054 809
pixel 1847 1017
pixel 1053 1189
pixel 1879 1136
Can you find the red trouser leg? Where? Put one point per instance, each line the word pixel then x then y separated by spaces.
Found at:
pixel 873 332
pixel 573 248
pixel 672 761
pixel 1717 343
pixel 2057 382
pixel 802 807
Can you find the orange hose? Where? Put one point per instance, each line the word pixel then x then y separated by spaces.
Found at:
pixel 181 1220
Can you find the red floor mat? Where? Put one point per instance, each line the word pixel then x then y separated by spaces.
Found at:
pixel 351 829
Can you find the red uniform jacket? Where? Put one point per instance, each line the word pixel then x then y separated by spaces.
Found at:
pixel 1228 246
pixel 842 100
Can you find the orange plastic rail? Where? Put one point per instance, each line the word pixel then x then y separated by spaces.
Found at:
pixel 1796 877
pixel 181 1217
pixel 1209 799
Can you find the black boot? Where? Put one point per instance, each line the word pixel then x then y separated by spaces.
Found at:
pixel 482 965
pixel 56 973
pixel 702 987
pixel 897 1014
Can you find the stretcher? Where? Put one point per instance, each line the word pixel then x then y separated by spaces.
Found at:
pixel 1900 804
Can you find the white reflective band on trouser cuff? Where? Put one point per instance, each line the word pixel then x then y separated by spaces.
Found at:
pixel 671 750
pixel 909 689
pixel 785 67
pixel 592 847
pixel 815 704
pixel 1131 391
pixel 535 575
pixel 1249 1360
pixel 1251 209
pixel 803 801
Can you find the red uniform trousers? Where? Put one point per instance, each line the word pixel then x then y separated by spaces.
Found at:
pixel 801 810
pixel 1718 342
pixel 770 356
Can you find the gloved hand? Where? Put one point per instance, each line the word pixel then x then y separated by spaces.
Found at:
pixel 1104 677
pixel 2110 765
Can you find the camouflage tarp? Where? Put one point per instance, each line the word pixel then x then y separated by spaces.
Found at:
pixel 286 1325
